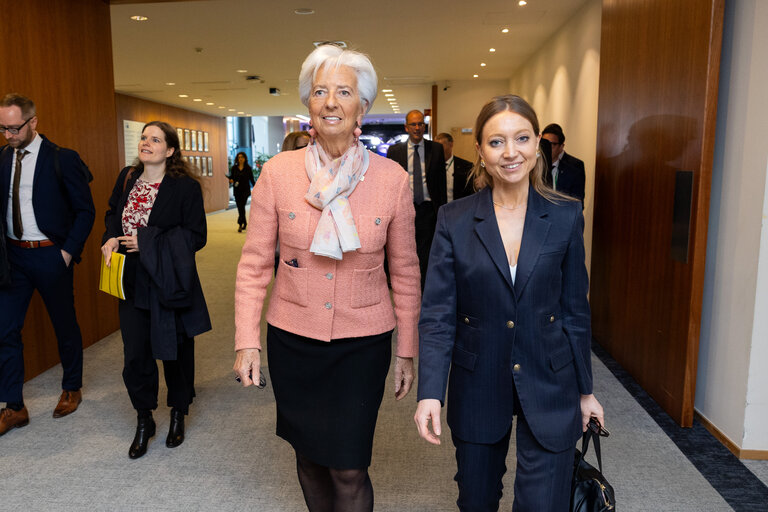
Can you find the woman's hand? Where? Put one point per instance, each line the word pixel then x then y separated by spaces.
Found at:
pixel 590 407
pixel 247 364
pixel 403 376
pixel 130 242
pixel 428 410
pixel 108 248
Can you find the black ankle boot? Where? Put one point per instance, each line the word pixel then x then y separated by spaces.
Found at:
pixel 176 430
pixel 144 430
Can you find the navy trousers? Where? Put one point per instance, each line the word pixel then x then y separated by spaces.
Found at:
pixel 542 478
pixel 40 269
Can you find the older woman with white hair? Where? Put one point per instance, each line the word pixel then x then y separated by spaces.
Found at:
pixel 335 207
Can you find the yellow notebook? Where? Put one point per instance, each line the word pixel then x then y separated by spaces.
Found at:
pixel 111 278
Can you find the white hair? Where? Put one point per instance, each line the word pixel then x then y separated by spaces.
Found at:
pixel 332 55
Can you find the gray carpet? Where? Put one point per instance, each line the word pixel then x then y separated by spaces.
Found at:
pixel 232 460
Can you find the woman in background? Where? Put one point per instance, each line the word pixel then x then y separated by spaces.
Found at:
pixel 241 178
pixel 295 140
pixel 157 219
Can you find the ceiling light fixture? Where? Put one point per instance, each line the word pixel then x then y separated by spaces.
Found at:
pixel 475 76
pixel 231 110
pixel 241 113
pixel 304 11
pixel 386 90
pixel 521 3
pixel 139 18
pixel 197 99
pixel 242 70
pixel 482 64
pixel 222 106
pixel 183 95
pixel 209 103
pixel 504 30
pixel 492 50
pixel 170 83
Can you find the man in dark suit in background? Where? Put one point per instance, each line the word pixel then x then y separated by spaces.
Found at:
pixel 567 174
pixel 425 163
pixel 46 204
pixel 456 170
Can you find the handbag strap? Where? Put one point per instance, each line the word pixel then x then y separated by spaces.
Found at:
pixel 585 446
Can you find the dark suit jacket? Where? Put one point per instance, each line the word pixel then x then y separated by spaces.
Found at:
pixel 166 280
pixel 434 165
pixel 461 186
pixel 570 177
pixel 242 181
pixel 477 324
pixel 64 209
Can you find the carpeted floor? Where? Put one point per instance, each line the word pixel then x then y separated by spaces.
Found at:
pixel 232 460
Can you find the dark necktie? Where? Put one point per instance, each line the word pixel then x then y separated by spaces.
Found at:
pixel 418 186
pixel 18 229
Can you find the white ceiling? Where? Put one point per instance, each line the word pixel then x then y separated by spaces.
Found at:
pixel 413 44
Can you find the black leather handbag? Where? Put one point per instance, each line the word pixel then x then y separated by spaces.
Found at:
pixel 590 491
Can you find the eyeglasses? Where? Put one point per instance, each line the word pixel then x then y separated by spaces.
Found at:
pixel 14 131
pixel 416 125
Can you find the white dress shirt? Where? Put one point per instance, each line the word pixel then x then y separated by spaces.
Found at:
pixel 28 221
pixel 449 178
pixel 423 167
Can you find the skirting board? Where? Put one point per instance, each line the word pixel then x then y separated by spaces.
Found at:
pixel 733 447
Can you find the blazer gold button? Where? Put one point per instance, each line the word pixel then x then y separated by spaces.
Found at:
pixel 551 318
pixel 378 221
pixel 327 305
pixel 510 324
pixel 329 276
pixel 466 320
pixel 291 215
pixel 516 368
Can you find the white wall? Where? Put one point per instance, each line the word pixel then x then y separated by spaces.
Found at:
pixel 561 82
pixel 732 382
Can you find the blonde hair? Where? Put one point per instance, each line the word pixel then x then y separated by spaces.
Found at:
pixel 480 176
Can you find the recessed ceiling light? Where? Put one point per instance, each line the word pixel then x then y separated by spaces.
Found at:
pixel 304 11
pixel 170 83
pixel 482 64
pixel 475 76
pixel 242 70
pixel 504 30
pixel 209 103
pixel 231 110
pixel 183 95
pixel 139 18
pixel 391 100
pixel 386 90
pixel 522 3
pixel 197 99
pixel 241 112
pixel 492 50
pixel 222 106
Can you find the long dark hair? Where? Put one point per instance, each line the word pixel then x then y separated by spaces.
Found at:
pixel 509 102
pixel 175 165
pixel 246 166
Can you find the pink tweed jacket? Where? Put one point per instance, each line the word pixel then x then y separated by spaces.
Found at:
pixel 323 298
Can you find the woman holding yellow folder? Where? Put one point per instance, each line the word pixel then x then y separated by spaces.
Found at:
pixel 156 218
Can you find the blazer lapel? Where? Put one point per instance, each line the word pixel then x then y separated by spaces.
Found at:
pixel 427 155
pixel 487 230
pixel 164 194
pixel 535 232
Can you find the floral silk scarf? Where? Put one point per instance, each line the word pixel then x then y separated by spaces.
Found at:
pixel 332 182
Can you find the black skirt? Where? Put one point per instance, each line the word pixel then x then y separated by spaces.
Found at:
pixel 328 394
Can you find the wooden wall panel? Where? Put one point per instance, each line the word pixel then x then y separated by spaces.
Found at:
pixel 659 64
pixel 216 187
pixel 60 55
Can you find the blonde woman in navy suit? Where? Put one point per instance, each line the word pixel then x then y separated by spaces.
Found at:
pixel 505 323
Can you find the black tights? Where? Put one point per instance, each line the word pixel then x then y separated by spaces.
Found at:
pixel 334 490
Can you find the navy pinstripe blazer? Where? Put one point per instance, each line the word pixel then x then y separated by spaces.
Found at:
pixel 484 338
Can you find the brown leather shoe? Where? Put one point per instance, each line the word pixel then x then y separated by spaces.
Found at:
pixel 68 403
pixel 13 419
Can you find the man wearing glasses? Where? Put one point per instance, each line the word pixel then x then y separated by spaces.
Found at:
pixel 48 212
pixel 567 172
pixel 425 162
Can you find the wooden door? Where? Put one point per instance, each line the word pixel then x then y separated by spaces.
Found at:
pixel 659 64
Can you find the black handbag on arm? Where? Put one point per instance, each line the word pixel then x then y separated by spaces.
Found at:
pixel 590 491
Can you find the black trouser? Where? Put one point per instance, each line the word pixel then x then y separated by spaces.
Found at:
pixel 240 201
pixel 40 269
pixel 140 372
pixel 426 220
